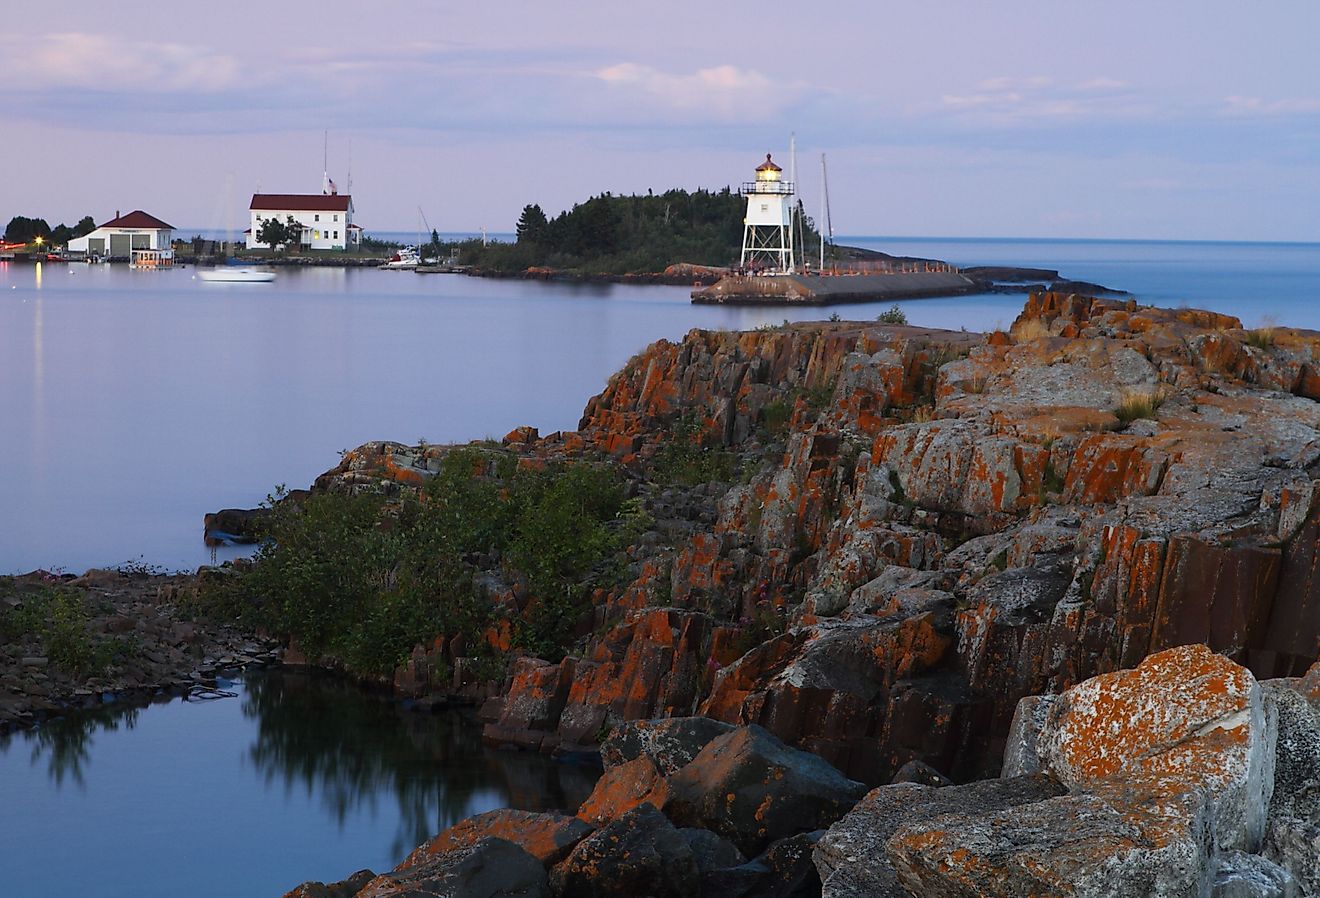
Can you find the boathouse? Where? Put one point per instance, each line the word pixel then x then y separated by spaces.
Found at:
pixel 326 219
pixel 121 235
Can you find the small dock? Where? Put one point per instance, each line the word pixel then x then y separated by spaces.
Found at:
pixel 807 290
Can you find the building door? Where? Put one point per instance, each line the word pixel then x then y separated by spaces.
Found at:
pixel 120 247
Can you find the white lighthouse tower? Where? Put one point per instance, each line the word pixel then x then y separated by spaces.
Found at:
pixel 767 246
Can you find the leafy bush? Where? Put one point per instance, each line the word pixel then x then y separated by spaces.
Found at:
pixel 893 315
pixel 363 581
pixel 686 460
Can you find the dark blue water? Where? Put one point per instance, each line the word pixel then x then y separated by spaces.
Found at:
pixel 297 778
pixel 132 403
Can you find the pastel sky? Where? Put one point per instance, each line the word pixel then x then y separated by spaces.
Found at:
pixel 1171 119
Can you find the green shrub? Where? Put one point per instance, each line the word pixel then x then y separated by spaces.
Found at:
pixel 893 315
pixel 362 581
pixel 686 460
pixel 775 416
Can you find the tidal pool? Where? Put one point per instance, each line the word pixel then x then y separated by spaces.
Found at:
pixel 296 777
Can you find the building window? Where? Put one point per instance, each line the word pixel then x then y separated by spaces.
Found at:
pixel 316 218
pixel 336 216
pixel 336 235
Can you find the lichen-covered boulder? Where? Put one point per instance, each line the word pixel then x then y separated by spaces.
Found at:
pixel 1114 841
pixel 623 788
pixel 851 857
pixel 641 853
pixel 347 888
pixel 753 789
pixel 547 837
pixel 490 867
pixel 670 743
pixel 1187 718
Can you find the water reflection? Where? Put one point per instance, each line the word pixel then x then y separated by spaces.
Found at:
pixel 354 751
pixel 341 758
pixel 66 743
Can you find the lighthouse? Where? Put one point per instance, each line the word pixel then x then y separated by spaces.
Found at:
pixel 768 226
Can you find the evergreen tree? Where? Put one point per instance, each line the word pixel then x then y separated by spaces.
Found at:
pixel 531 224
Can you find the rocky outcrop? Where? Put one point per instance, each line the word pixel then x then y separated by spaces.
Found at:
pixel 918 528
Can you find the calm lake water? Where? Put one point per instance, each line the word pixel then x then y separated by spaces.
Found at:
pixel 296 778
pixel 132 403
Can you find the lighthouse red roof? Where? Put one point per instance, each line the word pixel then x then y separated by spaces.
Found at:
pixel 768 165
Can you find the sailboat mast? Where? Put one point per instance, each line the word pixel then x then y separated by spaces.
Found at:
pixel 822 211
pixel 825 189
pixel 792 177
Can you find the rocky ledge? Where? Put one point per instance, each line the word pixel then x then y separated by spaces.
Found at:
pixel 71 642
pixel 1182 777
pixel 928 525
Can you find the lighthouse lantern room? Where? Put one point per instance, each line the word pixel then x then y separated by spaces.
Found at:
pixel 767 246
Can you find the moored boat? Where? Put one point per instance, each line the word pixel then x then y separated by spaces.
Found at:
pixel 238 274
pixel 405 258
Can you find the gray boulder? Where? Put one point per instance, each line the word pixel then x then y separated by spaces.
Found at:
pixel 490 868
pixel 670 743
pixel 851 857
pixel 753 789
pixel 641 853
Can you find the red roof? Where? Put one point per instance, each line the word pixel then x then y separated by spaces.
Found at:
pixel 137 219
pixel 302 202
pixel 767 165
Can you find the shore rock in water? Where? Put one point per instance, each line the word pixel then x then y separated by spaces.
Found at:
pixel 752 789
pixel 547 837
pixel 641 853
pixel 488 867
pixel 347 888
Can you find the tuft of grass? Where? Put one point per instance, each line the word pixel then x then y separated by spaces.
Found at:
pixel 1262 338
pixel 1029 330
pixel 1139 403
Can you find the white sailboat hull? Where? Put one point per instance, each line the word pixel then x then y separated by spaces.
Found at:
pixel 237 275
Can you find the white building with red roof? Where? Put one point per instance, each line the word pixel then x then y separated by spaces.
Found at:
pixel 326 218
pixel 118 237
